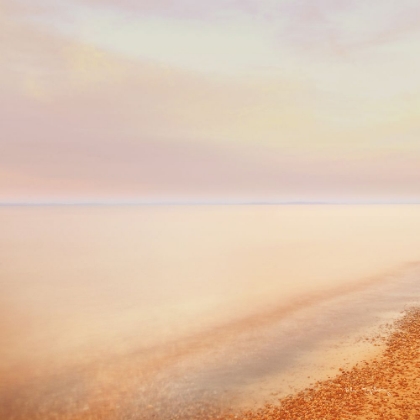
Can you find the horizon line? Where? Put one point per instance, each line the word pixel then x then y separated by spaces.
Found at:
pixel 76 203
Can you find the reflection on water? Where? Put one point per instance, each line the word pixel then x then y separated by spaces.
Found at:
pixel 126 309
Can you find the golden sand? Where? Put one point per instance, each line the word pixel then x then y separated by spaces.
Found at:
pixel 386 387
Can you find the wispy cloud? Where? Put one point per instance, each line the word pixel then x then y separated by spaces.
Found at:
pixel 291 98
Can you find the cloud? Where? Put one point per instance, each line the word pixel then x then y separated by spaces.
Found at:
pixel 224 47
pixel 324 25
pixel 152 104
pixel 183 9
pixel 346 26
pixel 89 66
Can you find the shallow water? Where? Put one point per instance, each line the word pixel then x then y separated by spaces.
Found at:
pixel 133 307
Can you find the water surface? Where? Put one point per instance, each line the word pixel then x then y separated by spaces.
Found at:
pixel 156 304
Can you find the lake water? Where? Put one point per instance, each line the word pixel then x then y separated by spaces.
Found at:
pixel 147 311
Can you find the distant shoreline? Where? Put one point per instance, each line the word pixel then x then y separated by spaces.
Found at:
pixel 205 203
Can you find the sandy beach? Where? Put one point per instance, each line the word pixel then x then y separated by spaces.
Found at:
pixel 383 387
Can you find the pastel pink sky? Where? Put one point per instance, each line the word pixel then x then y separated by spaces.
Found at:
pixel 253 99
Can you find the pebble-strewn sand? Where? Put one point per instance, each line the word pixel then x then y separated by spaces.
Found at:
pixel 387 387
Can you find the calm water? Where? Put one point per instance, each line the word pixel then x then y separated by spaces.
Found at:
pixel 143 308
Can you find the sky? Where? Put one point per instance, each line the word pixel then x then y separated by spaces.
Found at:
pixel 255 100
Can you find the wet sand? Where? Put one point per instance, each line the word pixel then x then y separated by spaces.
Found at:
pixel 383 387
